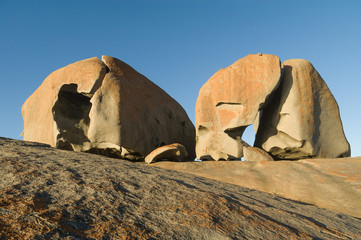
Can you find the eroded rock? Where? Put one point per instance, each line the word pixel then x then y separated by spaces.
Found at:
pixel 173 152
pixel 229 102
pixel 105 107
pixel 56 112
pixel 303 118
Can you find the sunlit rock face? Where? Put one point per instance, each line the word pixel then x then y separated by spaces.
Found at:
pixel 302 120
pixel 105 107
pixel 229 102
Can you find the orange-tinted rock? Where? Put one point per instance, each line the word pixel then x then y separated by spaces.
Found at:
pixel 132 112
pixel 44 113
pixel 107 108
pixel 229 102
pixel 303 118
pixel 173 152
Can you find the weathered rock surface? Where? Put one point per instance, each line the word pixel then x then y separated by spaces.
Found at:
pixel 46 193
pixel 229 102
pixel 303 118
pixel 105 107
pixel 255 154
pixel 60 105
pixel 173 152
pixel 334 184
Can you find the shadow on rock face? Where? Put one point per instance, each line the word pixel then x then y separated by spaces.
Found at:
pixel 71 115
pixel 41 200
pixel 302 120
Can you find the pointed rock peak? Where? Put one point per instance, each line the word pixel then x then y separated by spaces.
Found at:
pixel 118 66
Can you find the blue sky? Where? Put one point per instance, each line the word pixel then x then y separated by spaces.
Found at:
pixel 179 45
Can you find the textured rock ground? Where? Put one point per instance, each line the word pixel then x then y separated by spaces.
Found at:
pixel 303 119
pixel 334 184
pixel 229 102
pixel 105 107
pixel 47 193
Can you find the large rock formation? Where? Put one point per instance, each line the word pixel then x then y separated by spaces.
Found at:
pixel 46 193
pixel 105 107
pixel 302 120
pixel 333 184
pixel 229 102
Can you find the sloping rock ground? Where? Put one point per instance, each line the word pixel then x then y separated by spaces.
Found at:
pixel 46 193
pixel 333 183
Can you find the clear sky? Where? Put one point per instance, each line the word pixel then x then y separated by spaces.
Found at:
pixel 179 45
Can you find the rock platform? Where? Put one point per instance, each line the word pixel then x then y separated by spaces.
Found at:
pixel 47 193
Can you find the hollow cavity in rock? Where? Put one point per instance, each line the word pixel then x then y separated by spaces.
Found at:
pixel 71 116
